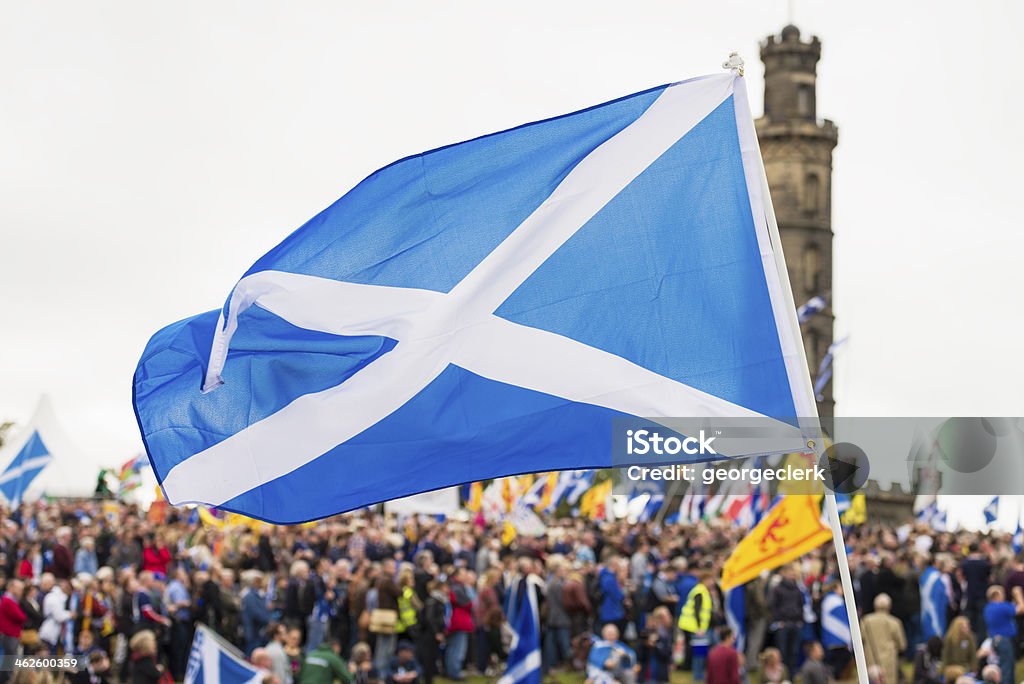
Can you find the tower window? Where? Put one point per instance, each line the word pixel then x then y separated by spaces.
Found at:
pixel 810 268
pixel 812 194
pixel 805 101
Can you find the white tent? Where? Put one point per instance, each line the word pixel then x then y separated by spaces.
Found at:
pixel 39 460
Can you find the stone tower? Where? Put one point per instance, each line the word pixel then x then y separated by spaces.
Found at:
pixel 797 150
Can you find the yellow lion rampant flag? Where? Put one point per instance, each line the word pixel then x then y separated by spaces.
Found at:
pixel 790 529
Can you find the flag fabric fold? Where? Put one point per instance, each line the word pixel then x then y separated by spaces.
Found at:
pixel 214 661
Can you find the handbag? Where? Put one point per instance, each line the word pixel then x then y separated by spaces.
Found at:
pixel 383 621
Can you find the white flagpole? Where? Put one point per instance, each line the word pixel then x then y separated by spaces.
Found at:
pixel 802 389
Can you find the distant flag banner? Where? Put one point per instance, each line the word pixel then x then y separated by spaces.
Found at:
pixel 458 316
pixel 129 476
pixel 23 469
pixel 214 661
pixel 825 370
pixel 811 307
pixel 524 656
pixel 1018 539
pixel 856 512
pixel 992 511
pixel 790 529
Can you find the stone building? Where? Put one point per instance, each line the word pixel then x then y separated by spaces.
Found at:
pixel 797 149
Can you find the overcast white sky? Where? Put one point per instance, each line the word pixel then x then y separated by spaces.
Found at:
pixel 150 152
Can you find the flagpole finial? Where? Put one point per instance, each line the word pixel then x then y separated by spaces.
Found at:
pixel 734 62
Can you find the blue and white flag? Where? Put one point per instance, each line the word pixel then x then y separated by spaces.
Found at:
pixel 571 485
pixel 736 614
pixel 812 306
pixel 992 511
pixel 214 661
pixel 934 603
pixel 825 370
pixel 40 459
pixel 927 514
pixel 835 622
pixel 488 309
pixel 1018 539
pixel 524 655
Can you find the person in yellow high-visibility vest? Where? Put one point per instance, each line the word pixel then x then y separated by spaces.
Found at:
pixel 695 621
pixel 408 605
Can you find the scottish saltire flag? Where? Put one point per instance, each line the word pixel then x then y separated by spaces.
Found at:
pixel 736 614
pixel 487 309
pixel 928 513
pixel 524 655
pixel 1018 539
pixel 812 306
pixel 825 370
pixel 214 661
pixel 992 511
pixel 934 603
pixel 835 622
pixel 24 468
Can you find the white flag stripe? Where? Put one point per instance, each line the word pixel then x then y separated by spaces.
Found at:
pixel 31 464
pixel 430 322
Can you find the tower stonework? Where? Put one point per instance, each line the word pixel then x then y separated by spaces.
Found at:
pixel 797 151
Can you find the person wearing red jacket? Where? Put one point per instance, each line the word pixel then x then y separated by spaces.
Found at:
pixel 12 617
pixel 155 556
pixel 460 626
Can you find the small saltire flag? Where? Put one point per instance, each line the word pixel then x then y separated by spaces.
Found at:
pixel 215 661
pixel 736 614
pixel 928 513
pixel 24 467
pixel 1018 539
pixel 825 370
pixel 992 511
pixel 835 622
pixel 524 655
pixel 458 315
pixel 812 306
pixel 934 603
pixel 790 529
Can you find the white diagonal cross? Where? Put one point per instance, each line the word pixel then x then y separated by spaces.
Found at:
pixel 436 329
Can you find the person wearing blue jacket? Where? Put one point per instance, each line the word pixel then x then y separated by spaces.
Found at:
pixel 613 594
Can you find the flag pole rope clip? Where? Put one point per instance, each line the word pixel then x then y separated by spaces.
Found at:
pixel 734 62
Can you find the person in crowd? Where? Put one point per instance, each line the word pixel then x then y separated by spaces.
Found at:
pixel 1000 617
pixel 786 606
pixel 431 633
pixel 724 661
pixel 772 669
pixel 884 639
pixel 12 617
pixel 403 668
pixel 814 670
pixel 959 646
pixel 178 602
pixel 928 662
pixel 460 625
pixel 85 557
pixel 613 586
pixel 695 621
pixel 612 659
pixel 56 615
pixel 659 645
pixel 256 615
pixel 62 563
pixel 976 570
pixel 488 617
pixel 280 667
pixel 264 662
pixel 96 670
pixel 144 666
pixel 323 665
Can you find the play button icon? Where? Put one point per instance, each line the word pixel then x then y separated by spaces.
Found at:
pixel 846 467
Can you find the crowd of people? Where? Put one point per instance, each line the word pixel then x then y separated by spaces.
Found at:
pixel 368 598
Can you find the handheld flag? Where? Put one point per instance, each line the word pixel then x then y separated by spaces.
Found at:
pixel 458 315
pixel 992 511
pixel 857 511
pixel 825 370
pixel 835 622
pixel 812 306
pixel 790 529
pixel 1018 539
pixel 524 655
pixel 214 661
pixel 736 614
pixel 934 603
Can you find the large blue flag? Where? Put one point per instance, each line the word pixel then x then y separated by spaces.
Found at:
pixel 487 309
pixel 213 661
